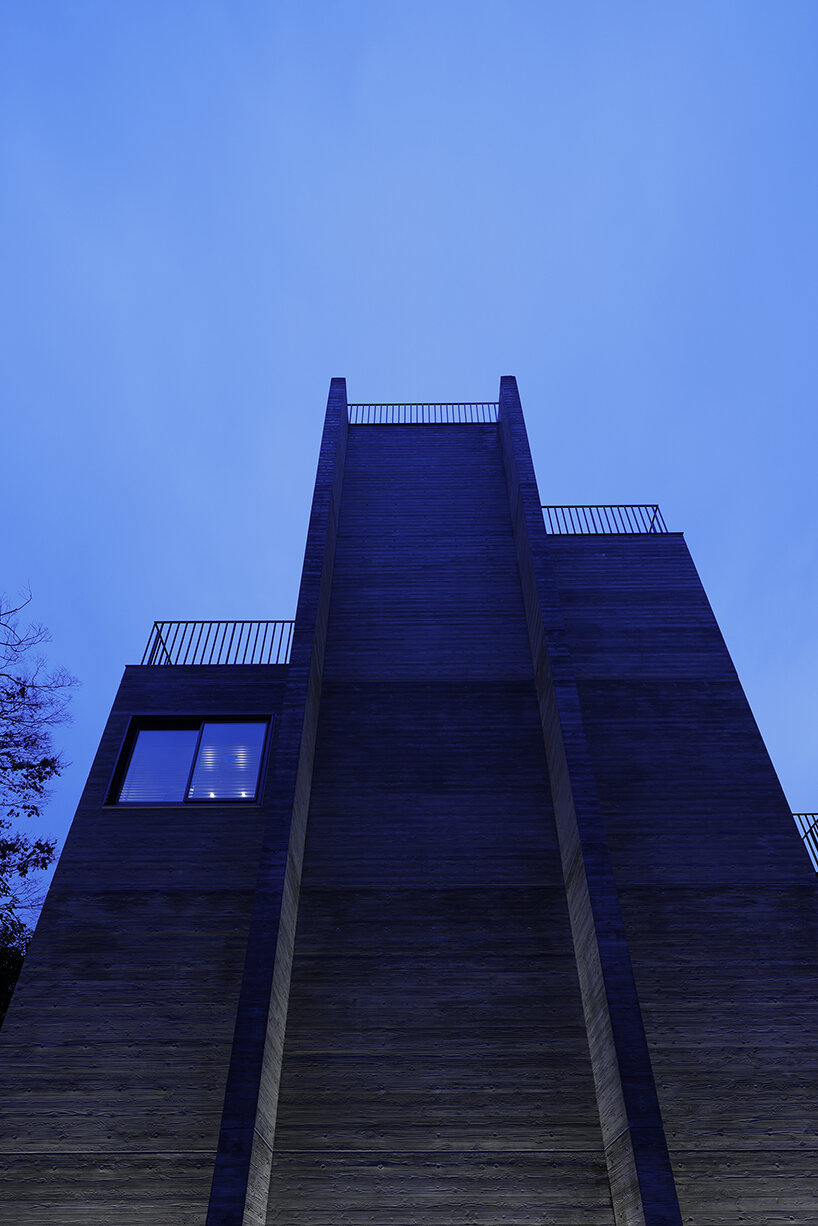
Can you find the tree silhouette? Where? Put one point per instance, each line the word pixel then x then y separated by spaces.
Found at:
pixel 33 699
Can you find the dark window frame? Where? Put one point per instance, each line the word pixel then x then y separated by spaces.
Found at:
pixel 183 723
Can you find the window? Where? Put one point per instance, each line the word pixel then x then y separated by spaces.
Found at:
pixel 196 762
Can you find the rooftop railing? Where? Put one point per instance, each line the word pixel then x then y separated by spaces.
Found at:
pixel 422 414
pixel 219 643
pixel 627 518
pixel 807 824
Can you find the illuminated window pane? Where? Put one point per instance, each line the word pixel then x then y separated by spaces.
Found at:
pixel 160 766
pixel 228 762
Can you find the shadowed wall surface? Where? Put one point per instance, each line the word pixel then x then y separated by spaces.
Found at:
pixel 115 1049
pixel 719 899
pixel 435 1066
pixel 514 998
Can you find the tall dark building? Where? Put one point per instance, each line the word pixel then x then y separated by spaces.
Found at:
pixel 481 905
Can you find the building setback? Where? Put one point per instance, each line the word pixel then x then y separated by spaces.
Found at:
pixel 514 927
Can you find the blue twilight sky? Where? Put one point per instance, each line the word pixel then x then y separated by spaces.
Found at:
pixel 208 208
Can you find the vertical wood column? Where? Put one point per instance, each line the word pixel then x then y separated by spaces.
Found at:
pixel 639 1170
pixel 242 1171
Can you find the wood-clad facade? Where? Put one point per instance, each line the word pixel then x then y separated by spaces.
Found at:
pixel 519 929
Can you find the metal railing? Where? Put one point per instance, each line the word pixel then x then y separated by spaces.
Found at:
pixel 422 414
pixel 807 824
pixel 219 643
pixel 597 520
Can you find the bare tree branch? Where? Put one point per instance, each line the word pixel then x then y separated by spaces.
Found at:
pixel 33 699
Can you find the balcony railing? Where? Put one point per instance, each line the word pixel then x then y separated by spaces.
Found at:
pixel 219 643
pixel 625 518
pixel 807 824
pixel 422 414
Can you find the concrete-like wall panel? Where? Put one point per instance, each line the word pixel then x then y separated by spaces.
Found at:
pixel 719 900
pixel 126 1189
pixel 116 1046
pixel 435 1066
pixel 426 533
pixel 639 1169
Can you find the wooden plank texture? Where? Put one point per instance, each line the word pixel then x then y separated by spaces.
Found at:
pixel 435 1066
pixel 116 1046
pixel 521 930
pixel 719 900
pixel 241 1177
pixel 639 1168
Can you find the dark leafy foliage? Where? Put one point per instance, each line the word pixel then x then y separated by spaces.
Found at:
pixel 33 699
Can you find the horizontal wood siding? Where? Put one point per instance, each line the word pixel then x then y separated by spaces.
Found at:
pixel 116 1046
pixel 719 900
pixel 242 1173
pixel 639 1169
pixel 435 1067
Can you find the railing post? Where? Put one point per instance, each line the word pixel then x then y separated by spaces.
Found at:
pixel 188 642
pixel 622 519
pixel 476 412
pixel 807 824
